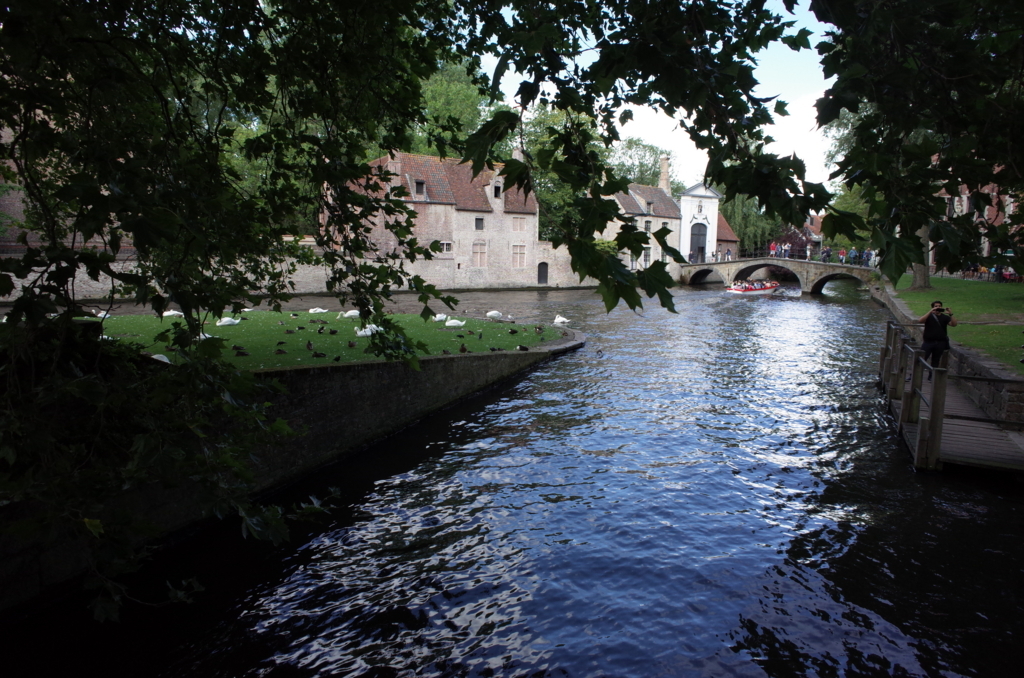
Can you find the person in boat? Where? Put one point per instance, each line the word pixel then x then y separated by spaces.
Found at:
pixel 935 339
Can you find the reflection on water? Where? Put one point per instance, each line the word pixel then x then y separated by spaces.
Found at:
pixel 711 493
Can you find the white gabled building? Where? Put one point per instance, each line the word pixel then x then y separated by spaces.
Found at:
pixel 693 220
pixel 698 236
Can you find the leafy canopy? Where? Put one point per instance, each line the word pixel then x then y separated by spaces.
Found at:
pixel 206 134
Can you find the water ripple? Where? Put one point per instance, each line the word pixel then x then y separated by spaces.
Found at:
pixel 715 492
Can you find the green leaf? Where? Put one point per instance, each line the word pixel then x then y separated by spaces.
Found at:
pixel 94 526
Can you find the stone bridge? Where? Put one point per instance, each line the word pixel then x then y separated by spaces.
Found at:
pixel 812 274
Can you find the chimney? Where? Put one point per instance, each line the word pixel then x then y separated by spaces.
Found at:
pixel 663 181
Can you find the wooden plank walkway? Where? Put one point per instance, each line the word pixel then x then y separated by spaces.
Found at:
pixel 938 422
pixel 966 442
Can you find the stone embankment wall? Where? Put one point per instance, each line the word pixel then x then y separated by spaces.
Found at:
pixel 308 280
pixel 1001 398
pixel 342 409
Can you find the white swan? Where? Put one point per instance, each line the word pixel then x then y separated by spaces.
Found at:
pixel 452 322
pixel 494 315
pixel 224 322
pixel 317 309
pixel 440 317
pixel 161 357
pixel 101 314
pixel 172 314
pixel 560 320
pixel 368 330
pixel 348 314
pixel 204 335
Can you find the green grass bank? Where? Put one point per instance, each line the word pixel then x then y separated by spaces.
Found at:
pixel 281 340
pixel 990 315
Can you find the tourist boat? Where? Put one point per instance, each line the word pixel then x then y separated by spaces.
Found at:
pixel 757 287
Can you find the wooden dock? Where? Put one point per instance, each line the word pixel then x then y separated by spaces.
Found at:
pixel 939 423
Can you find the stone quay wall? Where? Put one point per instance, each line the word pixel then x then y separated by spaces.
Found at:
pixel 341 408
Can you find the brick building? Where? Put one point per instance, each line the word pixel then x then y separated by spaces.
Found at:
pixel 488 236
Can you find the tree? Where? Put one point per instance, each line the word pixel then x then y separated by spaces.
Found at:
pixel 935 94
pixel 203 132
pixel 640 163
pixel 453 104
pixel 749 222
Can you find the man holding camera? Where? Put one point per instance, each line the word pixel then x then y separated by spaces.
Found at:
pixel 935 340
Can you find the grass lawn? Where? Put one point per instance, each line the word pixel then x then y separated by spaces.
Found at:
pixel 982 310
pixel 261 335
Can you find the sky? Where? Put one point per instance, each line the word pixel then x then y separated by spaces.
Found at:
pixel 795 77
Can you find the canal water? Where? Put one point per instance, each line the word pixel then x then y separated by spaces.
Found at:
pixel 717 492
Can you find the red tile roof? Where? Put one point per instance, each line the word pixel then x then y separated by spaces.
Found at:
pixel 448 182
pixel 725 232
pixel 635 202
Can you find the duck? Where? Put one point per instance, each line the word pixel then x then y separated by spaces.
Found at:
pixel 560 320
pixel 494 315
pixel 224 322
pixel 452 322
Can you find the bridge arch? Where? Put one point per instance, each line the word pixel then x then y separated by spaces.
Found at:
pixel 748 270
pixel 813 275
pixel 819 283
pixel 700 276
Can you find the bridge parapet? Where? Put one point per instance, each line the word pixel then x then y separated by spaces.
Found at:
pixel 812 274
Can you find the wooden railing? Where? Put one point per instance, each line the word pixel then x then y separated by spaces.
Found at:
pixel 898 354
pixel 905 395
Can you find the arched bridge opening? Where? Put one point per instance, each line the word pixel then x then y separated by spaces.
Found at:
pixel 701 276
pixel 819 285
pixel 747 271
pixel 812 275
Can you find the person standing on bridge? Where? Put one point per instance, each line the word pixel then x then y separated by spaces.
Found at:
pixel 935 341
pixel 728 254
pixel 771 249
pixel 842 255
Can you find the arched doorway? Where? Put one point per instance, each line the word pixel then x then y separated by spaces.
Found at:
pixel 542 273
pixel 698 243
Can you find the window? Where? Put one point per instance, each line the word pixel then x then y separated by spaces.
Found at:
pixel 664 224
pixel 479 222
pixel 421 188
pixel 664 257
pixel 518 256
pixel 497 190
pixel 518 224
pixel 479 254
pixel 446 248
pixel 650 207
pixel 647 257
pixel 632 262
pixel 647 226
